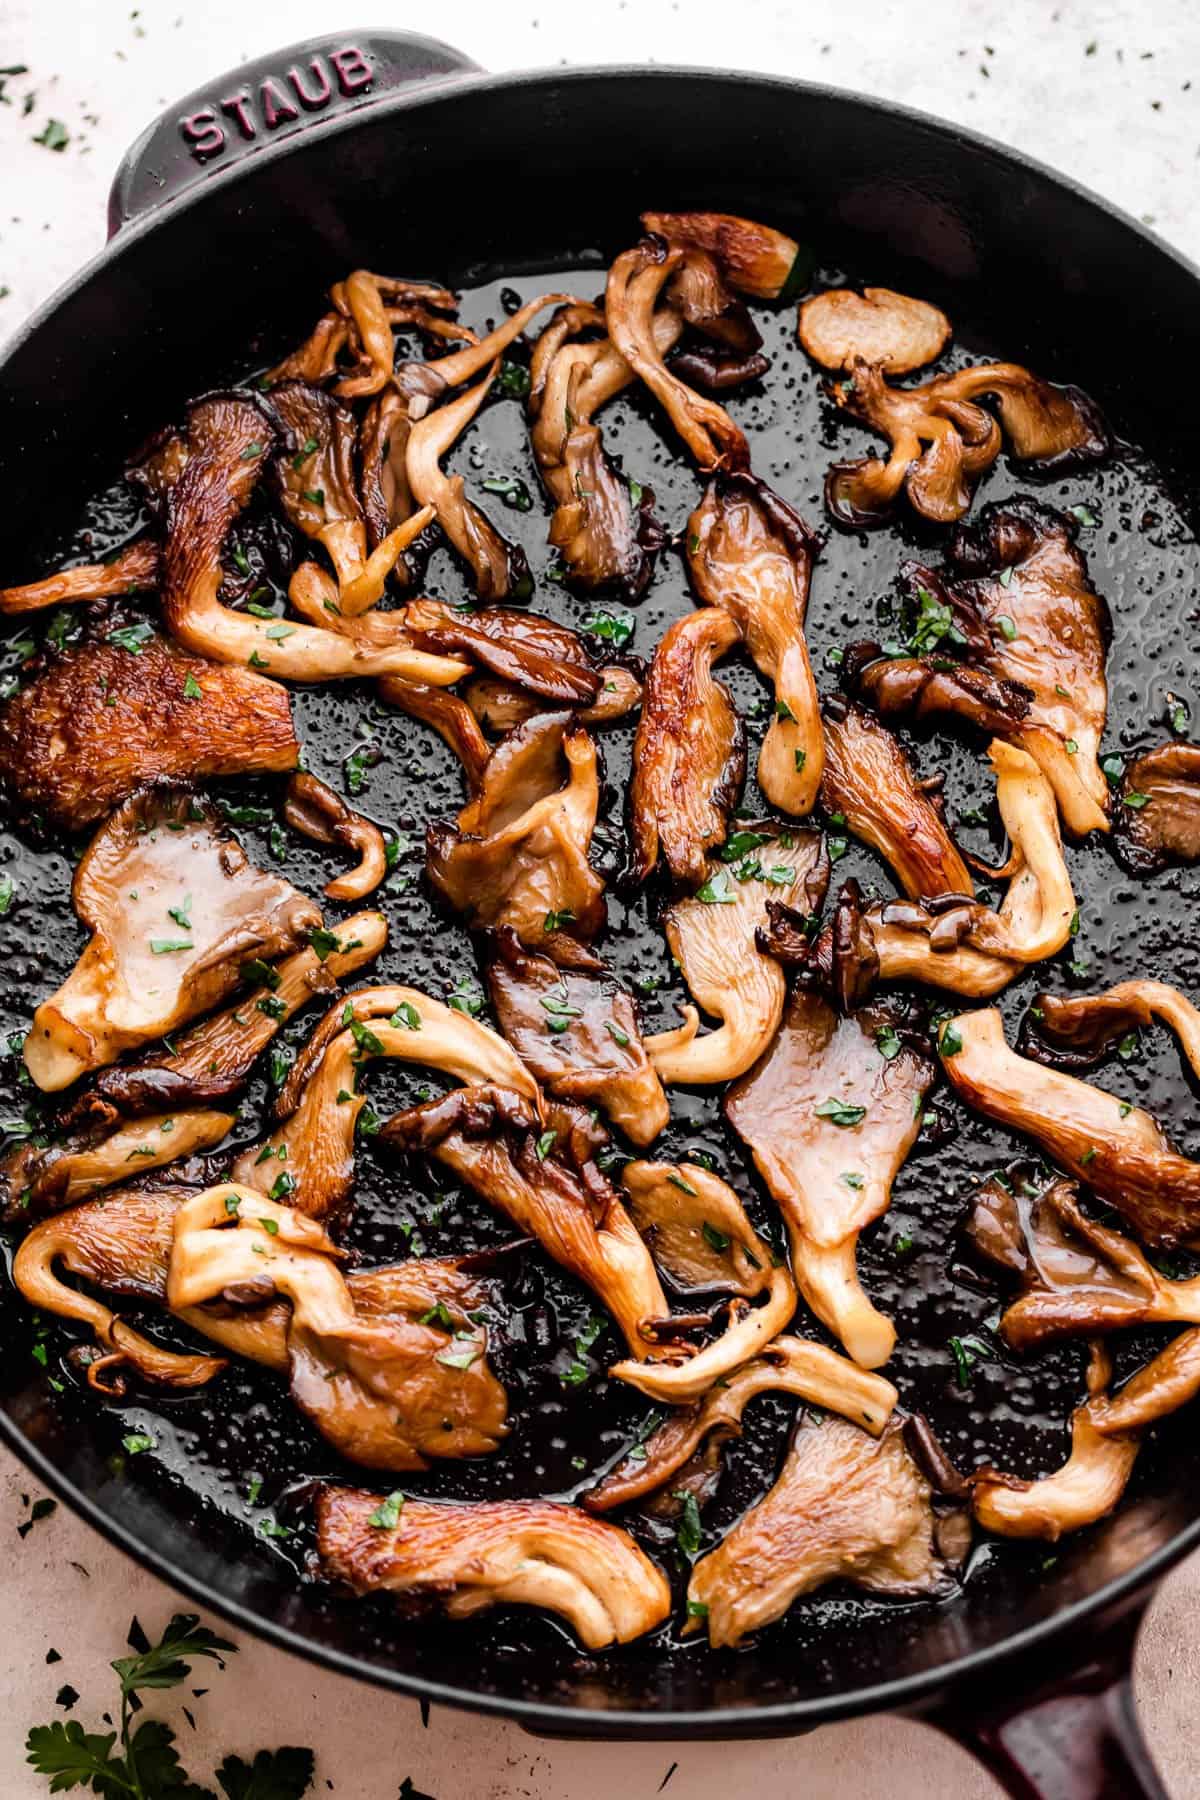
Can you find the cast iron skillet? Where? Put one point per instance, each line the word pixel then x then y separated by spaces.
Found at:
pixel 231 216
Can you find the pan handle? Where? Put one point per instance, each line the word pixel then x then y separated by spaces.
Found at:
pixel 1075 1737
pixel 268 98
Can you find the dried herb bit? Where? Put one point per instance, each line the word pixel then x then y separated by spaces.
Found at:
pixel 512 491
pixel 43 1508
pixel 386 1516
pixel 839 1113
pixel 689 1532
pixel 614 627
pixel 54 136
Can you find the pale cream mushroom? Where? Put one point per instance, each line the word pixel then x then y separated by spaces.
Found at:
pixel 893 331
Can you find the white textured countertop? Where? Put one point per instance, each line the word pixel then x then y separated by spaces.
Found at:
pixel 1109 92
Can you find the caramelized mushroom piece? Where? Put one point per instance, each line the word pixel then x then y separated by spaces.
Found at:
pixel 924 687
pixel 751 554
pixel 215 1057
pixel 604 537
pixel 830 1114
pixel 1018 591
pixel 689 753
pixel 1084 1489
pixel 100 720
pixel 491 1137
pixel 635 283
pixel 314 473
pixel 965 947
pixel 1159 817
pixel 577 1031
pixel 500 705
pixel 845 1504
pixel 1115 1148
pixel 39 1180
pixel 472 1555
pixel 869 780
pixel 891 331
pixel 1164 1384
pixel 132 569
pixel 229 437
pixel 788 1366
pixel 311 1154
pixel 315 810
pixel 450 716
pixel 942 440
pixel 1074 1031
pixel 700 1237
pixel 175 910
pixel 713 937
pixel 1078 1278
pixel 365 307
pixel 518 853
pixel 755 259
pixel 387 1392
pixel 523 648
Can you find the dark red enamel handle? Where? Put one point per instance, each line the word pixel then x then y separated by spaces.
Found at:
pixel 1072 1738
pixel 268 98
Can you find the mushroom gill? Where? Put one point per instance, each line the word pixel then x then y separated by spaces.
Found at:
pixel 750 553
pixel 472 1555
pixel 830 1114
pixel 175 910
pixel 713 937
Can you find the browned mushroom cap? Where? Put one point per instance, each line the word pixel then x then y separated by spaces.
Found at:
pixel 175 909
pixel 752 554
pixel 635 283
pixel 1018 590
pixel 755 259
pixel 1077 1277
pixel 215 1057
pixel 365 305
pixel 830 1114
pixel 535 653
pixel 450 716
pixel 133 568
pixel 1050 428
pixel 386 497
pixel 518 853
pixel 921 687
pixel 790 1365
pixel 388 1391
pixel 228 438
pixel 1084 1489
pixel 1117 1150
pixel 713 936
pixel 845 1504
pixel 500 705
pixel 472 1555
pixel 54 1176
pixel 893 331
pixel 1158 820
pixel 100 720
pixel 577 1032
pixel 869 781
pixel 314 809
pixel 492 1138
pixel 689 754
pixel 701 1238
pixel 1161 1386
pixel 1074 1031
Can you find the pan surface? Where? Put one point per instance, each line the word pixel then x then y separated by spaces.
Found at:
pixel 1030 271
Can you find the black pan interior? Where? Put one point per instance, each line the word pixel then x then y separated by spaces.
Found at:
pixel 1028 272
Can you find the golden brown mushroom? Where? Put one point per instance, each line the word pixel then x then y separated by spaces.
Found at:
pixel 845 1504
pixel 314 809
pixel 472 1555
pixel 755 259
pixel 134 568
pixel 689 754
pixel 752 554
pixel 102 719
pixel 47 1179
pixel 175 910
pixel 1073 1031
pixel 891 331
pixel 713 937
pixel 1158 821
pixel 830 1114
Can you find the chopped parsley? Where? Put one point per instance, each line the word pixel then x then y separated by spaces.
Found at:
pixel 615 627
pixel 386 1516
pixel 839 1112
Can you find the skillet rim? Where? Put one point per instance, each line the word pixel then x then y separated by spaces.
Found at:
pixel 901 1693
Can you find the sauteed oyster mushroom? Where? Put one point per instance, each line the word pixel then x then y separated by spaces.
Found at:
pixel 697 1204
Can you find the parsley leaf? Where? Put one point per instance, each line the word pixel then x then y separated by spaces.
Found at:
pixel 284 1774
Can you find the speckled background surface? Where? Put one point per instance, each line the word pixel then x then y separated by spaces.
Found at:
pixel 1102 91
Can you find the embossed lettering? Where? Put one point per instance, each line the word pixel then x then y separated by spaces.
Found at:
pixel 205 137
pixel 312 102
pixel 237 107
pixel 354 72
pixel 275 104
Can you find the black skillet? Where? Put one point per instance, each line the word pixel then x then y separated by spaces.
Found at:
pixel 229 220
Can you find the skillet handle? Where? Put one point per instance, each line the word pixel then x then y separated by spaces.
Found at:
pixel 271 97
pixel 1074 1737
